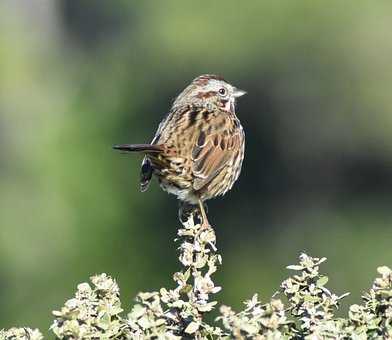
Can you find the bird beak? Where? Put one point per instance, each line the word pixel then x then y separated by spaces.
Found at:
pixel 238 93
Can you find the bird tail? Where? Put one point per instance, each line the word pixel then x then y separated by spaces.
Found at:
pixel 146 148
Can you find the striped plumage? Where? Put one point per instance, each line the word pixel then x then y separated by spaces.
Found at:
pixel 198 149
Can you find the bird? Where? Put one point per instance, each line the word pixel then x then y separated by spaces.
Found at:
pixel 198 148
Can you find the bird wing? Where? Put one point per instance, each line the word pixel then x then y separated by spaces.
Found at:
pixel 211 153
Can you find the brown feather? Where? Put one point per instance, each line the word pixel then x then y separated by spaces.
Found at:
pixel 212 158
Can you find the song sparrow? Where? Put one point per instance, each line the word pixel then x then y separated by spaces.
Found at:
pixel 198 149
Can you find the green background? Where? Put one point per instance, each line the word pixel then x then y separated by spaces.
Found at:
pixel 79 76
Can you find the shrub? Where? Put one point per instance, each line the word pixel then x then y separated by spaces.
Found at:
pixel 303 308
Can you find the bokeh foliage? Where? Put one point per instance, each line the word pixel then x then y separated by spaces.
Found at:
pixel 79 76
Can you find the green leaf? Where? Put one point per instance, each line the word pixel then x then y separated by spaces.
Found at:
pixel 322 281
pixel 295 267
pixel 192 327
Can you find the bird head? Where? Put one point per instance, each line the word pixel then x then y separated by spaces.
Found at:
pixel 210 91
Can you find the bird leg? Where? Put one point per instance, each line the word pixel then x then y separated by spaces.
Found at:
pixel 205 223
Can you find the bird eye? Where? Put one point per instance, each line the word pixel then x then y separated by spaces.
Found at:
pixel 222 91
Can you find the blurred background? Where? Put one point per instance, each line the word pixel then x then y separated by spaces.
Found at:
pixel 77 77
